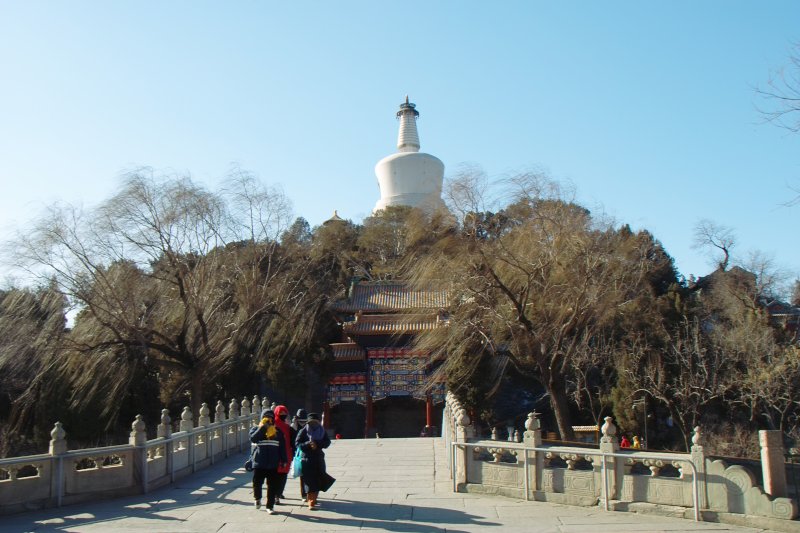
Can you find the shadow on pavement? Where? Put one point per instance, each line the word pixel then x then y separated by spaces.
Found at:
pixel 341 513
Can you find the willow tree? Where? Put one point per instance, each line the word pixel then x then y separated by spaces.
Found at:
pixel 534 282
pixel 164 273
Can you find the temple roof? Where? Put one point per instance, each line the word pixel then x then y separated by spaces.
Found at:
pixel 386 296
pixel 390 324
pixel 347 351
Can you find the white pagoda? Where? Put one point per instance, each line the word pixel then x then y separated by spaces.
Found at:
pixel 409 177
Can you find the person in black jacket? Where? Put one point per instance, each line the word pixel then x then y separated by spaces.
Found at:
pixel 298 421
pixel 311 440
pixel 268 457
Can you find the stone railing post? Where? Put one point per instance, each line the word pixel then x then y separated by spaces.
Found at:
pixel 58 441
pixel 464 432
pixel 164 429
pixel 233 410
pixel 138 439
pixel 233 414
pixel 187 424
pixel 58 447
pixel 533 439
pixel 257 405
pixel 698 457
pixel 772 462
pixel 187 419
pixel 204 419
pixel 219 412
pixel 615 468
pixel 246 407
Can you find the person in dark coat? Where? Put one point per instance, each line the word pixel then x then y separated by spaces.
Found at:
pixel 298 421
pixel 268 457
pixel 311 440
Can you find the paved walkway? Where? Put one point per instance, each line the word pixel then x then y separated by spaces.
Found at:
pixel 382 485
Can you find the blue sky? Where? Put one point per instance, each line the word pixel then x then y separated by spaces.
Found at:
pixel 647 108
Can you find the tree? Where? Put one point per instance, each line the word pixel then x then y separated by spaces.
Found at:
pixel 535 283
pixel 781 96
pixel 709 234
pixel 781 100
pixel 167 273
pixel 32 325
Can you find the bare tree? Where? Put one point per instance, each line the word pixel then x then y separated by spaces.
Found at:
pixel 781 96
pixel 686 376
pixel 780 101
pixel 531 283
pixel 710 234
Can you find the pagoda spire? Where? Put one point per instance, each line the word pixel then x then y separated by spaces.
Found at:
pixel 407 137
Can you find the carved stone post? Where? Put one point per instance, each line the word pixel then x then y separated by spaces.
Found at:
pixel 464 432
pixel 233 410
pixel 58 441
pixel 164 429
pixel 772 462
pixel 204 420
pixel 615 468
pixel 698 457
pixel 233 414
pixel 187 419
pixel 256 405
pixel 246 407
pixel 138 438
pixel 58 447
pixel 533 438
pixel 219 412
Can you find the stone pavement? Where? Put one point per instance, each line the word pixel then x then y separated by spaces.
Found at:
pixel 382 485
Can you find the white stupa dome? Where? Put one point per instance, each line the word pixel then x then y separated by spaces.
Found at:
pixel 409 177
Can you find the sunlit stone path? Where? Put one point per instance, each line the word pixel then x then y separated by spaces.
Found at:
pixel 387 484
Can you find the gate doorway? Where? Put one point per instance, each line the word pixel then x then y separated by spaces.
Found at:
pixel 403 416
pixel 348 420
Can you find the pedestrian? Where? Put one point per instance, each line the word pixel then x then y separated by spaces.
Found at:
pixel 289 435
pixel 636 442
pixel 268 457
pixel 298 422
pixel 624 443
pixel 311 440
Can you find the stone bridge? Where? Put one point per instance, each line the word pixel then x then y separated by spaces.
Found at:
pixel 382 484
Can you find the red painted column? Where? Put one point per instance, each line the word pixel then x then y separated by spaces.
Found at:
pixel 369 423
pixel 428 412
pixel 326 415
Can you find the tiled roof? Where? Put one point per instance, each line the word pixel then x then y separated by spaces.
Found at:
pixel 347 351
pixel 385 353
pixel 390 296
pixel 390 324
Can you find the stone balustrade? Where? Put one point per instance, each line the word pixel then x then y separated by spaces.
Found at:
pixel 63 476
pixel 630 478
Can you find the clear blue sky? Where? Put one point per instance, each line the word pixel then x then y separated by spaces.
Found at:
pixel 648 108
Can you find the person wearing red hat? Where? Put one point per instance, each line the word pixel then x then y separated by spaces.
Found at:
pixel 281 414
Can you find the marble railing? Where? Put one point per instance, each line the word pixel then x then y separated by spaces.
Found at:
pixel 612 477
pixel 63 476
